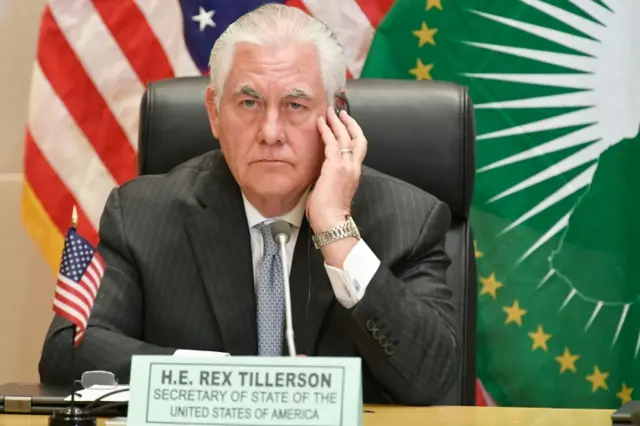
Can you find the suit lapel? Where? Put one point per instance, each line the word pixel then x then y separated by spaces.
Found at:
pixel 219 237
pixel 311 292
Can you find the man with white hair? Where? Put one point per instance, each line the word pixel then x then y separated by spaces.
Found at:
pixel 190 263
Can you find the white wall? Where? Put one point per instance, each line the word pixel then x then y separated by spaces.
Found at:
pixel 26 282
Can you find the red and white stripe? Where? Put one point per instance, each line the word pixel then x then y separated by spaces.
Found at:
pixel 74 300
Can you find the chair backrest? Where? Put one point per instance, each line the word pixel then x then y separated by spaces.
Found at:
pixel 422 132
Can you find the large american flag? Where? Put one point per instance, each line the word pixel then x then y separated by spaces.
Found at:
pixel 81 271
pixel 94 59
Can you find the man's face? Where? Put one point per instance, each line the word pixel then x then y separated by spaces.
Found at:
pixel 266 123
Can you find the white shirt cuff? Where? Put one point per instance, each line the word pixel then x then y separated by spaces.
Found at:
pixel 350 283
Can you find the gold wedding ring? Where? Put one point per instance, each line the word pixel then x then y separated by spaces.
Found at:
pixel 346 151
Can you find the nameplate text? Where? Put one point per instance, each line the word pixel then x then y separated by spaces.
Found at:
pixel 245 391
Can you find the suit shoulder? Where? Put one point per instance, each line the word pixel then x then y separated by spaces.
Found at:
pixel 396 217
pixel 179 180
pixel 392 188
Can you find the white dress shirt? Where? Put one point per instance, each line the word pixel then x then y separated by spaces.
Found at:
pixel 349 284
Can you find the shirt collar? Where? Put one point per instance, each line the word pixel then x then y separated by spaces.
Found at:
pixel 294 216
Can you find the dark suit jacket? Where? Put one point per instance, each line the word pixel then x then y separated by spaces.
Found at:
pixel 179 275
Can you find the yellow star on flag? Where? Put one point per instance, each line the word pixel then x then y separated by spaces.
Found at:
pixel 425 35
pixel 421 71
pixel 598 380
pixel 490 285
pixel 514 313
pixel 434 3
pixel 540 339
pixel 475 248
pixel 567 361
pixel 625 393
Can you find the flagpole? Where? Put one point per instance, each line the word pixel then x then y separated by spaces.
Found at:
pixel 74 224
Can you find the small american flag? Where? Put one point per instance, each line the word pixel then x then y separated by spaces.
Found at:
pixel 81 271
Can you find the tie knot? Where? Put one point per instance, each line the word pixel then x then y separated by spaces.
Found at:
pixel 270 246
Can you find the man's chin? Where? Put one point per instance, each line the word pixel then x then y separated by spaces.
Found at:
pixel 275 185
pixel 273 180
pixel 271 171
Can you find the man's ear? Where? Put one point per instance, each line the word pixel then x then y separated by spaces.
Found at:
pixel 212 112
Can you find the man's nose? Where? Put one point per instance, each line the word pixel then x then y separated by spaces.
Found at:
pixel 271 128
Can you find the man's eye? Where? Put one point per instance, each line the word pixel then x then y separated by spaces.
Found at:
pixel 249 103
pixel 295 105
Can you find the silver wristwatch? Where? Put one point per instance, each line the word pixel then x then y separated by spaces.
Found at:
pixel 346 230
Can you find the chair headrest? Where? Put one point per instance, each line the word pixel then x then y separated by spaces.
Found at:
pixel 422 132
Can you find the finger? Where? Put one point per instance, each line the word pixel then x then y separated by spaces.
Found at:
pixel 331 147
pixel 351 125
pixel 339 129
pixel 359 141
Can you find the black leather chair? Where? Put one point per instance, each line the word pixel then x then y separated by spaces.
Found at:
pixel 421 132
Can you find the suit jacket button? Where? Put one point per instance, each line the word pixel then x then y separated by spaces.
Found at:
pixel 370 325
pixel 376 334
pixel 383 341
pixel 389 349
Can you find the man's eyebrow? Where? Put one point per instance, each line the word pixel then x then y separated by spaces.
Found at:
pixel 297 93
pixel 249 91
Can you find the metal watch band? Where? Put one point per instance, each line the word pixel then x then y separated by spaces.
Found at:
pixel 346 230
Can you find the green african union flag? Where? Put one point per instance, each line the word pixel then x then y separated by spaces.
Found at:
pixel 555 208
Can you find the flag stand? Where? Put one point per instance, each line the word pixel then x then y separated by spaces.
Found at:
pixel 72 415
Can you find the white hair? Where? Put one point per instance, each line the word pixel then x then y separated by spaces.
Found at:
pixel 280 25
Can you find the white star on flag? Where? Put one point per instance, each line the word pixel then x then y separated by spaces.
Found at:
pixel 204 18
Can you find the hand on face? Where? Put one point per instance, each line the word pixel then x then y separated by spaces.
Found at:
pixel 329 202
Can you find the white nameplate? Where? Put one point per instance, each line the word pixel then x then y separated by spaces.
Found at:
pixel 245 391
